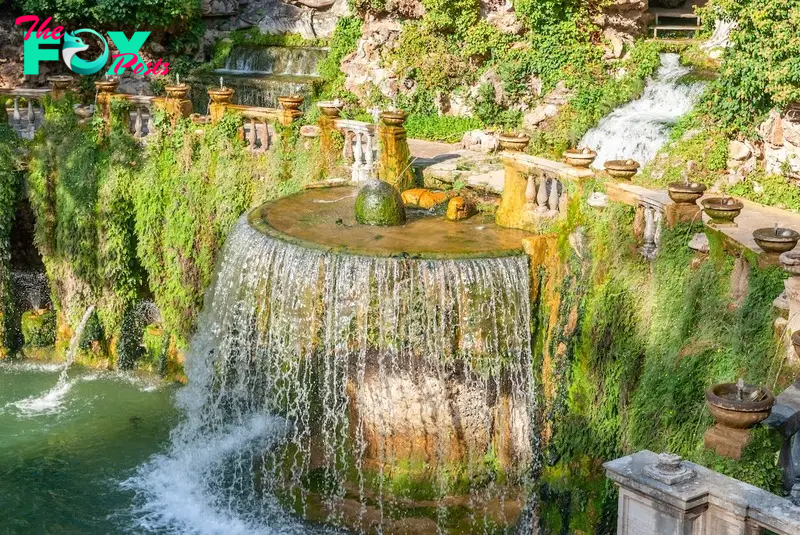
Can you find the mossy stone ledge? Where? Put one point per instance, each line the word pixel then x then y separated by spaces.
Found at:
pixel 379 203
pixel 39 328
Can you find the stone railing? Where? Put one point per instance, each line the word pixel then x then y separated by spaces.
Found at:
pixel 25 119
pixel 534 190
pixel 360 148
pixel 141 114
pixel 257 128
pixel 662 495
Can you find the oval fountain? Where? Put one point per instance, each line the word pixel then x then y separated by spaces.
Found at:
pixel 393 362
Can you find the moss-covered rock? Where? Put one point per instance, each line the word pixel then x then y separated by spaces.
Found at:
pixel 156 346
pixel 39 328
pixel 378 203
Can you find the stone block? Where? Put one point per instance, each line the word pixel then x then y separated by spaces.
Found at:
pixel 683 213
pixel 726 441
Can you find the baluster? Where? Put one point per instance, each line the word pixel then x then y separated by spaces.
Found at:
pixel 370 157
pixel 358 157
pixel 347 150
pixel 649 245
pixel 562 203
pixel 266 140
pixel 150 125
pixel 530 194
pixel 17 116
pixel 541 196
pixel 31 115
pixel 553 200
pixel 137 123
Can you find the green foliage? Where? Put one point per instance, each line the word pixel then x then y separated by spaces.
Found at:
pixel 111 14
pixel 10 189
pixel 762 68
pixel 440 128
pixel 766 189
pixel 344 41
pixel 39 329
pixel 693 139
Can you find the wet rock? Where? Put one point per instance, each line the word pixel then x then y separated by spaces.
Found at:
pixel 460 208
pixel 411 196
pixel 430 199
pixel 378 203
pixel 699 243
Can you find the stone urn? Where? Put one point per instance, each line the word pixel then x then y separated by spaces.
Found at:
pixel 739 405
pixel 580 157
pixel 106 86
pixel 622 169
pixel 796 343
pixel 177 92
pixel 292 102
pixel 330 108
pixel 514 142
pixel 685 192
pixel 221 95
pixel 776 240
pixel 379 203
pixel 394 118
pixel 722 210
pixel 790 262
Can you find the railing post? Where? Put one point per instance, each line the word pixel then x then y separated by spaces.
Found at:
pixel 176 104
pixel 105 90
pixel 220 98
pixel 395 157
pixel 60 86
pixel 519 194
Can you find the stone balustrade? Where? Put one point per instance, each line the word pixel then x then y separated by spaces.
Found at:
pixel 360 151
pixel 26 119
pixel 535 190
pixel 662 495
pixel 141 114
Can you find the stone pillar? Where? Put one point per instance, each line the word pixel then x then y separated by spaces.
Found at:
pixel 176 104
pixel 220 98
pixel 290 107
pixel 60 86
pixel 395 157
pixel 792 286
pixel 105 90
pixel 517 192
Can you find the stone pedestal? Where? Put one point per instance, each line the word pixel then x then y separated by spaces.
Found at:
pixel 511 212
pixel 792 285
pixel 726 441
pixel 61 85
pixel 220 99
pixel 105 91
pixel 395 157
pixel 683 213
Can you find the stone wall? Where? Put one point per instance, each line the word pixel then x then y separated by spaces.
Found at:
pixel 781 135
pixel 313 19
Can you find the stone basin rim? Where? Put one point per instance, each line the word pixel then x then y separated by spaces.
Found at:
pixel 714 397
pixel 717 203
pixel 768 234
pixel 256 218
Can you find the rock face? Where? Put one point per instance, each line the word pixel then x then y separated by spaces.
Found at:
pixel 622 21
pixel 479 141
pixel 312 19
pixel 781 135
pixel 549 106
pixel 380 204
pixel 363 68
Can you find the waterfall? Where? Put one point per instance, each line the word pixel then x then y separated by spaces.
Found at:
pixel 51 401
pixel 641 127
pixel 315 377
pixel 296 61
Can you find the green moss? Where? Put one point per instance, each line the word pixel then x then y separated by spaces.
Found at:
pixel 378 203
pixel 39 328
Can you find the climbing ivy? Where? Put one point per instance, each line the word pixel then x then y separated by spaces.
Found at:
pixel 10 186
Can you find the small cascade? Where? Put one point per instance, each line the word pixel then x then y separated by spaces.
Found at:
pixel 641 127
pixel 260 74
pixel 282 60
pixel 352 391
pixel 31 290
pixel 51 401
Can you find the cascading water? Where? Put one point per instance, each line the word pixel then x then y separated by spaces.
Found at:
pixel 51 401
pixel 350 390
pixel 260 74
pixel 638 129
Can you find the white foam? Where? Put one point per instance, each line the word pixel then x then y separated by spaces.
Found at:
pixel 50 402
pixel 176 491
pixel 641 127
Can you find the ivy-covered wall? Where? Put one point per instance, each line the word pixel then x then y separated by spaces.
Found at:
pixel 629 348
pixel 119 223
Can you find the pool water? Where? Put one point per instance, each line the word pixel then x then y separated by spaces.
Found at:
pixel 68 442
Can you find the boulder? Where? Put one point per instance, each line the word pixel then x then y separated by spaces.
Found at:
pixel 479 141
pixel 378 203
pixel 738 151
pixel 459 208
